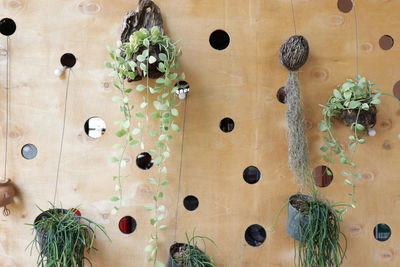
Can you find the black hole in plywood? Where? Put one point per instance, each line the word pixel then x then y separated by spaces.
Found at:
pixel 219 39
pixel 29 151
pixel 255 235
pixel 396 90
pixel 345 5
pixel 68 60
pixel 95 127
pixel 127 225
pixel 226 125
pixel 144 161
pixel 386 42
pixel 182 85
pixel 191 203
pixel 382 232
pixel 322 175
pixel 281 95
pixel 251 175
pixel 7 26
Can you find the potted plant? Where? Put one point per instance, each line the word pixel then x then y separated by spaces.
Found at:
pixel 189 254
pixel 62 239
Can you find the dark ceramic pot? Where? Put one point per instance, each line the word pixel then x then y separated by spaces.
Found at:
pixel 297 222
pixel 174 248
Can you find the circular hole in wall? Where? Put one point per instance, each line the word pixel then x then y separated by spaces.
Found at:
pixel 251 175
pixel 281 95
pixel 226 125
pixel 182 85
pixel 144 161
pixel 386 42
pixel 382 232
pixel 127 225
pixel 255 235
pixel 7 26
pixel 322 175
pixel 68 60
pixel 95 127
pixel 191 203
pixel 29 151
pixel 219 39
pixel 396 90
pixel 345 5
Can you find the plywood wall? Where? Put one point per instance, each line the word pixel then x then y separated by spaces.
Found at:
pixel 239 82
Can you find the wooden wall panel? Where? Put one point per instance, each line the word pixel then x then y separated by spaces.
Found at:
pixel 239 82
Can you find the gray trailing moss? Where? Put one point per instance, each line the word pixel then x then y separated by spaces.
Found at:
pixel 298 149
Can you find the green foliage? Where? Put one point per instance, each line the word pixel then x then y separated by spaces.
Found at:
pixel 129 59
pixel 355 95
pixel 319 243
pixel 193 256
pixel 62 239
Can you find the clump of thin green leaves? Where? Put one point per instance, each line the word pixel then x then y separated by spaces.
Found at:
pixel 320 243
pixel 128 60
pixel 190 255
pixel 62 239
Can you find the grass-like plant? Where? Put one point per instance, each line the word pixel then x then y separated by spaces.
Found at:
pixel 62 239
pixel 190 255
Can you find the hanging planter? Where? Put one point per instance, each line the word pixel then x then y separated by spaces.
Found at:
pixel 297 222
pixel 62 239
pixel 7 193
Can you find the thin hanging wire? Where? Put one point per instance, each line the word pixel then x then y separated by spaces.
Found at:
pixel 356 32
pixel 294 20
pixel 62 137
pixel 180 169
pixel 7 106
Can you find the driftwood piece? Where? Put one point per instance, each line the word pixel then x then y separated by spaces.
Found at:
pixel 147 15
pixel 366 118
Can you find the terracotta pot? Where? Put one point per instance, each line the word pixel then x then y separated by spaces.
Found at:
pixel 7 192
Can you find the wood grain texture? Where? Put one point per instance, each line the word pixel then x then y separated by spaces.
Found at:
pixel 239 82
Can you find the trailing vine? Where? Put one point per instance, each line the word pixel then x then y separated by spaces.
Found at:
pixel 147 53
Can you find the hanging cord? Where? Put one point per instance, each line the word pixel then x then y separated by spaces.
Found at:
pixel 294 20
pixel 62 137
pixel 356 32
pixel 180 169
pixel 7 107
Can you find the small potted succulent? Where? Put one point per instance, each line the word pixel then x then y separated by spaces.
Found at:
pixel 189 254
pixel 61 238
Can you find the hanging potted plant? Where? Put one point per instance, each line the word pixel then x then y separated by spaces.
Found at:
pixel 189 254
pixel 143 53
pixel 62 238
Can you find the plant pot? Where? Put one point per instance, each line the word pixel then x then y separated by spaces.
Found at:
pixel 153 72
pixel 172 250
pixel 7 192
pixel 42 236
pixel 366 118
pixel 297 222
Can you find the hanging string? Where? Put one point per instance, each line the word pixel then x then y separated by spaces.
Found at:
pixel 180 168
pixel 62 137
pixel 294 20
pixel 356 32
pixel 7 106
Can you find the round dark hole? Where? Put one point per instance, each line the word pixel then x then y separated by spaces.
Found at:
pixel 95 127
pixel 345 5
pixel 386 42
pixel 382 232
pixel 144 161
pixel 182 85
pixel 68 60
pixel 281 95
pixel 251 175
pixel 396 90
pixel 7 26
pixel 255 235
pixel 127 225
pixel 191 203
pixel 219 39
pixel 323 176
pixel 29 151
pixel 226 125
